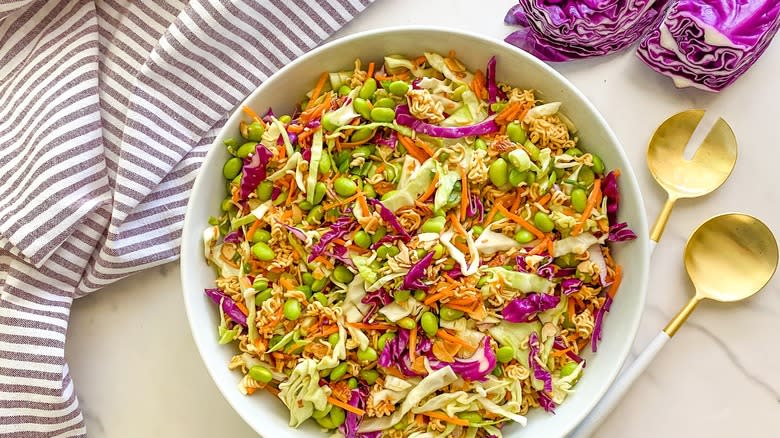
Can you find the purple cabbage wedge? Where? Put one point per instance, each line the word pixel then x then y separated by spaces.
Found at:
pixel 709 44
pixel 376 299
pixel 597 326
pixel 562 30
pixel 234 236
pixel 620 233
pixel 358 399
pixel 526 309
pixel 228 305
pixel 254 170
pixel 610 189
pixel 396 353
pixel 540 373
pixel 404 118
pixel 343 225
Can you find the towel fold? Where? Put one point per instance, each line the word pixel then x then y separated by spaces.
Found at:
pixel 107 109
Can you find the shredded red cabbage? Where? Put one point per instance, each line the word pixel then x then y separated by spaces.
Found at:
pixel 254 170
pixel 234 236
pixel 299 234
pixel 306 154
pixel 349 428
pixel 475 208
pixel 228 306
pixel 413 280
pixel 386 239
pixel 396 353
pixel 268 114
pixel 533 360
pixel 620 233
pixel 526 309
pixel 343 225
pixel 275 193
pixel 559 345
pixel 376 299
pixel 389 139
pixel 597 327
pixel 404 118
pixel 571 285
pixel 340 253
pixel 388 216
pixel 490 73
pixel 609 187
pixel 546 402
pixel 477 367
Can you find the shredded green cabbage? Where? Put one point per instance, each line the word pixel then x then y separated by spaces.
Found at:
pixel 302 393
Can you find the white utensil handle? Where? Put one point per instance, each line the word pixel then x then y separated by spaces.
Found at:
pixel 653 244
pixel 619 388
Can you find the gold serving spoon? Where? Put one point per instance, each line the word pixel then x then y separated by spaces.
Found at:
pixel 728 258
pixel 710 166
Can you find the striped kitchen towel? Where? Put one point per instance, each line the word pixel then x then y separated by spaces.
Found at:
pixel 107 108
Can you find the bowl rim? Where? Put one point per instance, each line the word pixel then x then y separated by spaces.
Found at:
pixel 643 239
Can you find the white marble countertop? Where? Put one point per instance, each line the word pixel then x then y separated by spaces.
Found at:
pixel 138 374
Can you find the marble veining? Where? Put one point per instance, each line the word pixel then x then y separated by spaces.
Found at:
pixel 137 371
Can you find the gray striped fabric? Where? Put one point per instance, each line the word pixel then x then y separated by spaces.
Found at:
pixel 106 111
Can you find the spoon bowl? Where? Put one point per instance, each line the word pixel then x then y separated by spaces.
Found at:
pixel 709 168
pixel 731 257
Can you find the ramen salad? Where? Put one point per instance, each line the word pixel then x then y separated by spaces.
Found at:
pixel 418 250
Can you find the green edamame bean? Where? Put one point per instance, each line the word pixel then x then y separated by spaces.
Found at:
pixel 419 295
pixel 438 251
pixel 378 234
pixel 315 214
pixel 263 296
pixel 401 295
pixel 352 383
pixel 319 192
pixel 568 368
pixel 543 222
pixel 307 278
pixel 325 164
pixel 367 355
pixel 344 90
pixel 285 119
pixel 524 236
pixel 389 173
pixel 477 229
pixel 384 102
pixel 579 200
pixel 480 144
pixel 505 354
pixel 263 252
pixel 433 225
pixel 369 376
pixel 319 285
pixel 261 374
pixel 383 251
pixel 362 107
pixel 280 199
pixel 264 191
pixel 586 176
pixel 362 239
pixel 261 236
pixel 482 281
pixel 320 297
pixel 574 152
pixel 361 134
pixel 531 178
pixel 515 132
pixel 598 165
pixel 342 275
pixel 398 88
pixel 381 114
pixel 567 261
pixel 420 252
pixel 449 314
pixel 334 338
pixel 260 284
pixel 227 205
pixel 382 341
pixel 317 414
pixel 517 177
pixel 499 172
pixel 429 323
pixel 339 371
pixel 292 309
pixel 325 422
pixel 394 251
pixel 369 191
pixel 368 89
pixel 407 323
pixel 305 205
pixel 246 149
pixel 306 289
pixel 231 144
pixel 470 416
pixel 232 168
pixel 255 131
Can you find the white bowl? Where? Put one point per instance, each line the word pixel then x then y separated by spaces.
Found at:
pixel 265 413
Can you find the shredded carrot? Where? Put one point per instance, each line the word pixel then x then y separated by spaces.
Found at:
pixel 539 248
pixel 550 246
pixel 603 225
pixel 444 334
pixel 424 146
pixel 370 72
pixel 291 192
pixel 357 143
pixel 366 326
pixel 242 307
pixel 461 246
pixel 464 193
pixel 393 371
pixel 272 390
pixel 346 406
pixel 250 391
pixel 478 84
pixel 363 204
pixel 328 264
pixel 613 289
pixel 328 331
pixel 446 292
pixel 457 225
pixel 338 203
pixel 508 113
pixel 492 213
pixel 380 168
pixel 412 345
pixel 286 215
pixel 454 420
pixel 516 202
pixel 317 89
pixel 593 200
pixel 544 199
pixel 562 352
pixel 571 310
pixel 251 113
pixel 295 129
pixel 420 60
pixel 466 309
pixel 522 222
pixel 412 149
pixel 235 196
pixel 431 188
pixel 420 420
pixel 287 283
